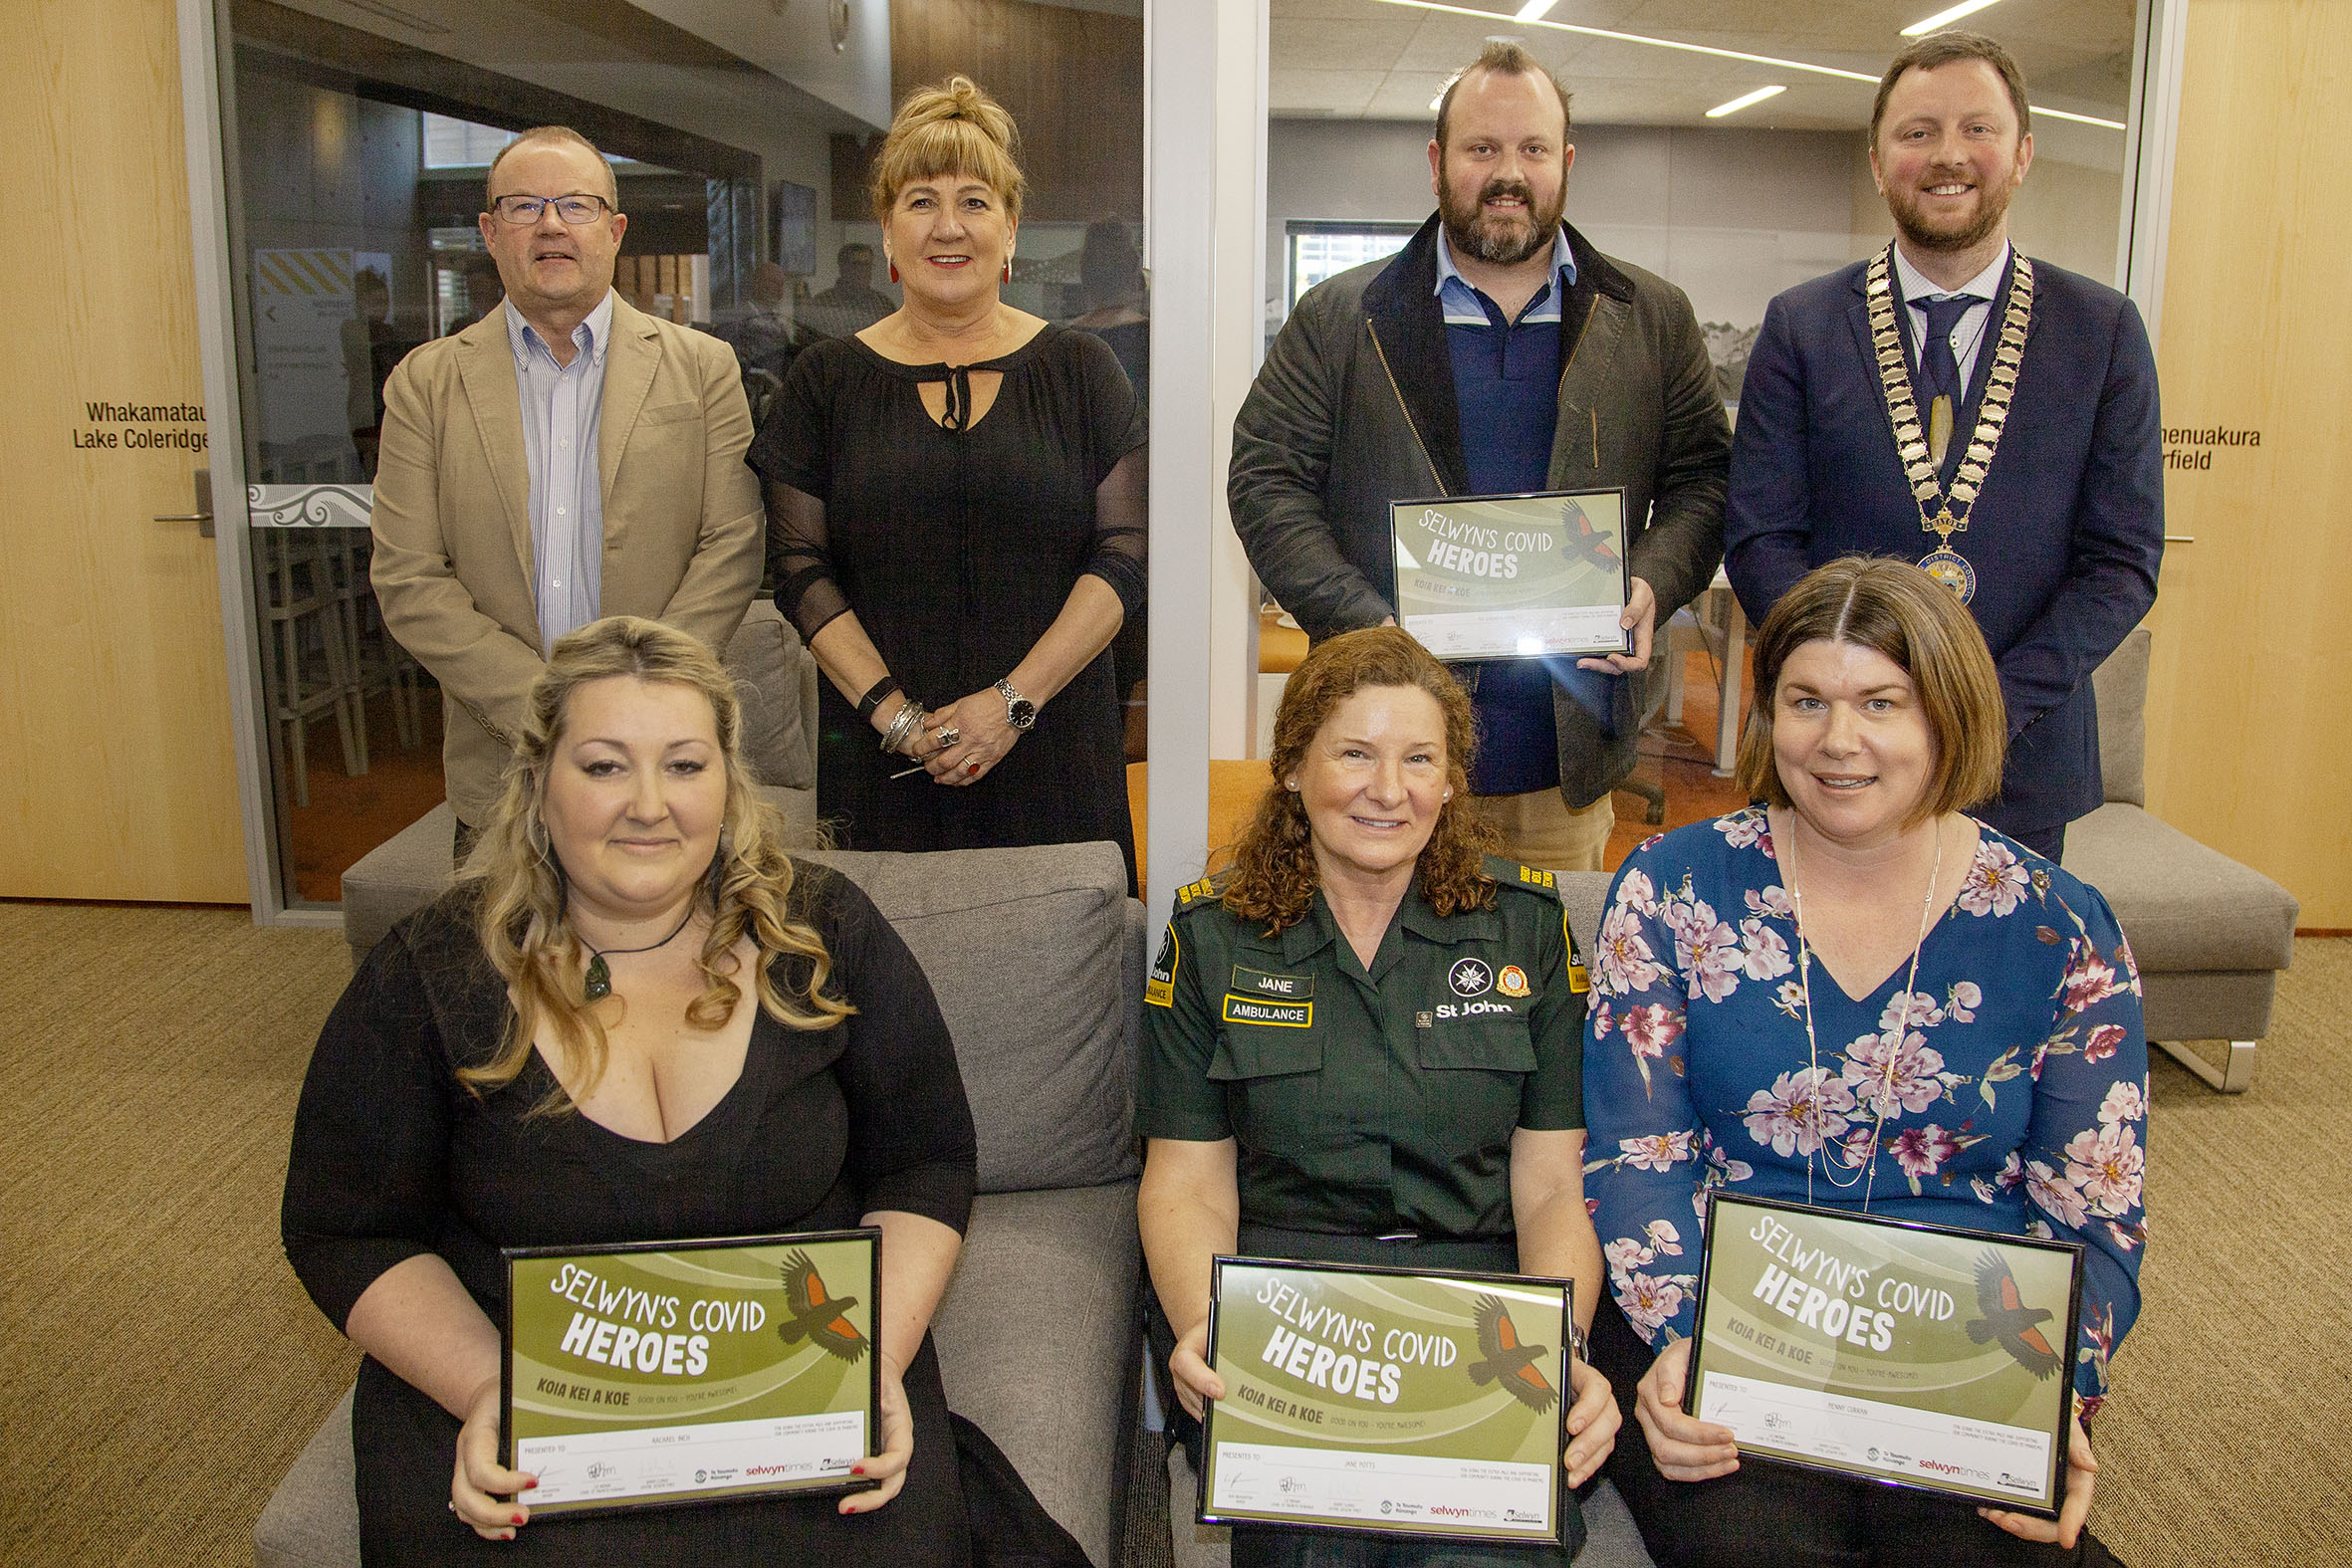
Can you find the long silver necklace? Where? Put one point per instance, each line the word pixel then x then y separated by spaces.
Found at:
pixel 1804 975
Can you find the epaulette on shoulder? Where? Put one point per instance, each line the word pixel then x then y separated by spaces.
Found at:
pixel 1208 890
pixel 1526 878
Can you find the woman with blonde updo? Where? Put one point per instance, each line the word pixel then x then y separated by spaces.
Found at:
pixel 954 501
pixel 639 1021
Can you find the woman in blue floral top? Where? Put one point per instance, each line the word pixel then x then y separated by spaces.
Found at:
pixel 1855 995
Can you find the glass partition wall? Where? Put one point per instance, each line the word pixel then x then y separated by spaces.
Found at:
pixel 1734 202
pixel 356 136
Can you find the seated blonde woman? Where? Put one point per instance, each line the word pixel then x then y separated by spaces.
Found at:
pixel 638 1021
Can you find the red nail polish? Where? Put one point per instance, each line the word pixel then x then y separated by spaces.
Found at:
pixel 518 1519
pixel 532 1482
pixel 858 1469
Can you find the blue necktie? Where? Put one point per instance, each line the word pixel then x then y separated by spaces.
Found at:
pixel 1938 368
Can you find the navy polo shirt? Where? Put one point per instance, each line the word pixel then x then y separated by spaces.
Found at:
pixel 1507 385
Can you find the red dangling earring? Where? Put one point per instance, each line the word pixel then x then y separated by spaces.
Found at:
pixel 1007 268
pixel 895 272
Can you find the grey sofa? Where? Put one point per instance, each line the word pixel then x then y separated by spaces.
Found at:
pixel 1036 956
pixel 775 678
pixel 2210 934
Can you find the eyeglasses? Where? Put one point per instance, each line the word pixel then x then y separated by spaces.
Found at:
pixel 573 210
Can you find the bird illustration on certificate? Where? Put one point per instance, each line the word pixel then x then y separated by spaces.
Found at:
pixel 1910 1354
pixel 1512 576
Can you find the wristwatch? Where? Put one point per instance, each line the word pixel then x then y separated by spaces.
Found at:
pixel 1020 712
pixel 875 695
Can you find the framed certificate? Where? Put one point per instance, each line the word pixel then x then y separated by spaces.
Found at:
pixel 1386 1401
pixel 1909 1354
pixel 677 1372
pixel 1512 576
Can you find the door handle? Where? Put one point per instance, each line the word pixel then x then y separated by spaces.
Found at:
pixel 202 516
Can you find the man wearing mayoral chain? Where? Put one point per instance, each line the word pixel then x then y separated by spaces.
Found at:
pixel 2016 456
pixel 1498 352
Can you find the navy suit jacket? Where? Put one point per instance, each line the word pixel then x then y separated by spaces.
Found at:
pixel 2065 537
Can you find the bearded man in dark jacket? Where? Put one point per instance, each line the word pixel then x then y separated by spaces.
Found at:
pixel 1498 352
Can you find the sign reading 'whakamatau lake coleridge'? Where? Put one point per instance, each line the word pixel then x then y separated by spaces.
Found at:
pixel 690 1371
pixel 1386 1401
pixel 1909 1354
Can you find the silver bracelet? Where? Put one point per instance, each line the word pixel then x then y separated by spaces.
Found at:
pixel 902 724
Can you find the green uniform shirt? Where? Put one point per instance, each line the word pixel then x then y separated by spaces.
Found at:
pixel 1369 1103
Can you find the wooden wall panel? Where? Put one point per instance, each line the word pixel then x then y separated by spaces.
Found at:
pixel 2250 739
pixel 120 778
pixel 1072 80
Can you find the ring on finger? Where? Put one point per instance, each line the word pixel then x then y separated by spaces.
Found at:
pixel 972 768
pixel 949 734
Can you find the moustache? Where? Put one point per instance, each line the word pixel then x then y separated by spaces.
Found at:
pixel 1507 187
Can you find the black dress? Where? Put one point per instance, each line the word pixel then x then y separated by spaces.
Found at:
pixel 392 1158
pixel 957 547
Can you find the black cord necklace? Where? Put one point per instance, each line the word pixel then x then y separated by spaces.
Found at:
pixel 598 983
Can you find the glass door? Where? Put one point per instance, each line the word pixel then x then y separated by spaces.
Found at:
pixel 356 136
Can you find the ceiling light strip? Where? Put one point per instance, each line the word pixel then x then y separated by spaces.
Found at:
pixel 1964 8
pixel 1707 49
pixel 1746 101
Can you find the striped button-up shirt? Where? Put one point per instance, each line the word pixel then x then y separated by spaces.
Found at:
pixel 561 409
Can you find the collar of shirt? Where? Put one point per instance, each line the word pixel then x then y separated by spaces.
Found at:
pixel 1915 285
pixel 594 335
pixel 1461 301
pixel 1321 928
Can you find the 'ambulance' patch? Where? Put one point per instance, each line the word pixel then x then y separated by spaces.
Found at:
pixel 1280 1014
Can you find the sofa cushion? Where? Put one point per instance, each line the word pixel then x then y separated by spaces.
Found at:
pixel 767 660
pixel 1025 947
pixel 2184 906
pixel 312 1518
pixel 1586 893
pixel 2120 688
pixel 1038 1339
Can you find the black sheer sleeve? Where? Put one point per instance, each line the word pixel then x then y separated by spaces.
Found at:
pixel 367 1177
pixel 1121 532
pixel 1117 432
pixel 792 453
pixel 798 564
pixel 912 1147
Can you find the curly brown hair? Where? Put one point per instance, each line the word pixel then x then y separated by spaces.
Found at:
pixel 520 914
pixel 1274 873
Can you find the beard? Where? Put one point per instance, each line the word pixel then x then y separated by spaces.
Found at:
pixel 1924 233
pixel 1494 238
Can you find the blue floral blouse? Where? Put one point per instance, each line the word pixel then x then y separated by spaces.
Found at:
pixel 2017 1100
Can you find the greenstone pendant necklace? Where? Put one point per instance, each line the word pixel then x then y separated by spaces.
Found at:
pixel 599 983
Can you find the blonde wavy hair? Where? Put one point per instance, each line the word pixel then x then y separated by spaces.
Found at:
pixel 1273 871
pixel 520 915
pixel 951 128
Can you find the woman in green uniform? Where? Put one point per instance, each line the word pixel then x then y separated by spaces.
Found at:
pixel 1364 1044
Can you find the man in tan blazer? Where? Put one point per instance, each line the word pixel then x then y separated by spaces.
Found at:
pixel 565 458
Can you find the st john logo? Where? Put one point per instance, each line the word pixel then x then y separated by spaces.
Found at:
pixel 1469 977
